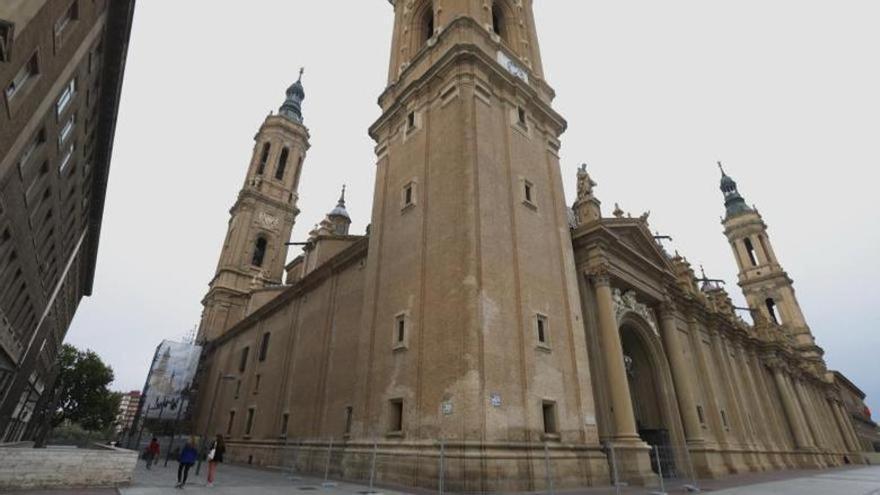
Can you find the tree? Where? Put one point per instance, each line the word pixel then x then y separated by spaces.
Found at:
pixel 81 393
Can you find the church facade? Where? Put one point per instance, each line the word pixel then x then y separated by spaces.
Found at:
pixel 482 315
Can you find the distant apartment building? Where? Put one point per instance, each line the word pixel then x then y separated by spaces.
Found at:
pixel 61 69
pixel 128 408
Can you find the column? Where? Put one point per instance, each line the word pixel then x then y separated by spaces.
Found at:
pixel 681 375
pixel 733 411
pixel 612 352
pixel 841 425
pixel 761 423
pixel 806 411
pixel 848 426
pixel 712 406
pixel 770 409
pixel 788 404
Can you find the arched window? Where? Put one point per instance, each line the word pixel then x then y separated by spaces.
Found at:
pixel 282 164
pixel 500 21
pixel 259 252
pixel 425 27
pixel 750 249
pixel 773 311
pixel 263 159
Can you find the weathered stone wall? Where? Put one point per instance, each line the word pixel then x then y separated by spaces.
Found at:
pixel 23 467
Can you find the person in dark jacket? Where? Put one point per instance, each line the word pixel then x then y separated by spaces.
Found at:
pixel 188 457
pixel 215 456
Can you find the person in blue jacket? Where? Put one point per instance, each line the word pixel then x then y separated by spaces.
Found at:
pixel 188 457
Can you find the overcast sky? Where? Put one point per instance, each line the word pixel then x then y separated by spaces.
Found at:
pixel 784 92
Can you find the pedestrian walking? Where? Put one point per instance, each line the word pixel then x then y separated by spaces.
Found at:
pixel 215 456
pixel 152 452
pixel 188 457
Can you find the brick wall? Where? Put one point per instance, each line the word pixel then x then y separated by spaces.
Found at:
pixel 22 467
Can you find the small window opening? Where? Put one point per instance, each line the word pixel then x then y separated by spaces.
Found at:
pixel 521 117
pixel 242 364
pixel 349 411
pixel 259 252
pixel 249 424
pixel 408 195
pixel 411 121
pixel 750 249
pixel 700 415
pixel 548 410
pixel 264 157
pixel 542 329
pixel 264 346
pixel 66 97
pixel 773 311
pixel 230 423
pixel 237 389
pixel 724 418
pixel 27 72
pixel 257 380
pixel 71 14
pixel 401 329
pixel 527 191
pixel 282 164
pixel 285 418
pixel 395 420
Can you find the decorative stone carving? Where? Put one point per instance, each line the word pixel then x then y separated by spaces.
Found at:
pixel 626 302
pixel 600 274
pixel 267 221
pixel 585 183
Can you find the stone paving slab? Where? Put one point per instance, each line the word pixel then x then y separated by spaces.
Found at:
pixel 860 481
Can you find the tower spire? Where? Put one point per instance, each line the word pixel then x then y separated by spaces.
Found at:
pixel 733 201
pixel 292 106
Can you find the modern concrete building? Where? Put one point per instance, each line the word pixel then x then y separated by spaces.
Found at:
pixel 61 67
pixel 481 313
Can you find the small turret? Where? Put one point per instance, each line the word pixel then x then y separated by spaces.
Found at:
pixel 733 201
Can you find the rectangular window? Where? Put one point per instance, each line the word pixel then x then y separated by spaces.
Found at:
pixel 237 389
pixel 65 160
pixel 548 411
pixel 71 14
pixel 527 191
pixel 700 415
pixel 38 140
pixel 541 328
pixel 65 97
pixel 257 384
pixel 400 329
pixel 264 347
pixel 348 414
pixel 395 416
pixel 230 423
pixel 6 29
pixel 242 364
pixel 411 121
pixel 285 418
pixel 408 195
pixel 724 418
pixel 249 424
pixel 522 118
pixel 24 75
pixel 66 130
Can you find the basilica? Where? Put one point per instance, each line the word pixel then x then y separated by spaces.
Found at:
pixel 482 315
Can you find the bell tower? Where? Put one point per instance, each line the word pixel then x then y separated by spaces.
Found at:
pixel 472 324
pixel 261 219
pixel 767 288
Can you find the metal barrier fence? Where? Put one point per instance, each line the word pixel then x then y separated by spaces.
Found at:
pixel 454 468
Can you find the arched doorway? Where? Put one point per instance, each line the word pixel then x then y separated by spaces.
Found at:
pixel 650 390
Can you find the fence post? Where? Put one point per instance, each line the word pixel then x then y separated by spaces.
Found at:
pixel 659 471
pixel 442 473
pixel 614 478
pixel 547 468
pixel 327 483
pixel 373 467
pixel 695 487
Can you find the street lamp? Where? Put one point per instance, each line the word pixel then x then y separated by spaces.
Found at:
pixel 220 377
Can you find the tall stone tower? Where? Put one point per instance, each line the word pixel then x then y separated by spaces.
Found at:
pixel 262 218
pixel 472 324
pixel 768 289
